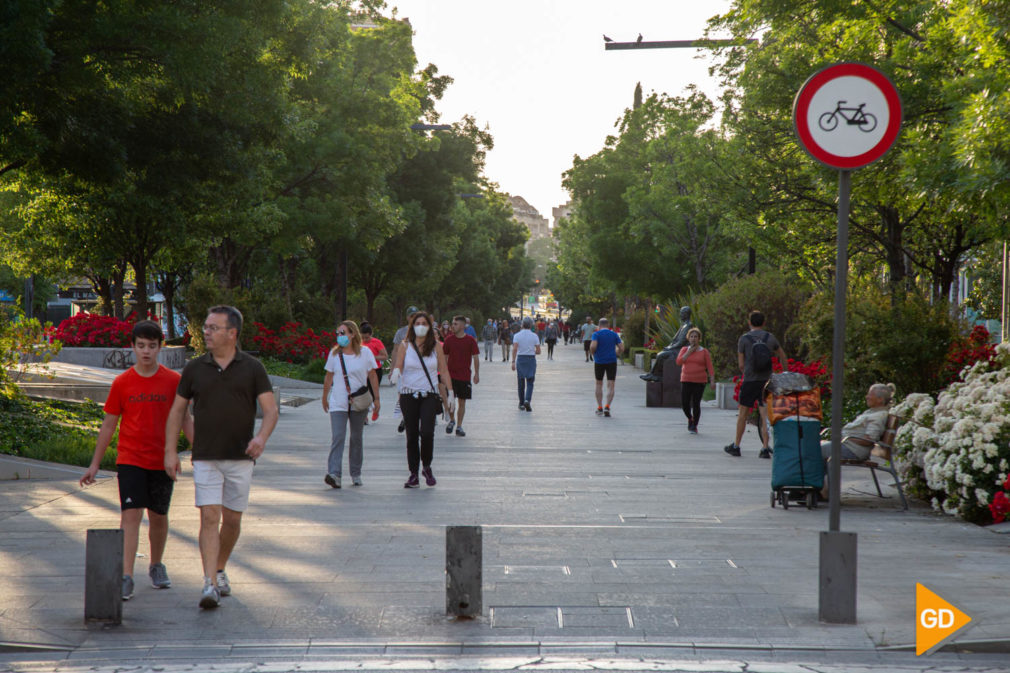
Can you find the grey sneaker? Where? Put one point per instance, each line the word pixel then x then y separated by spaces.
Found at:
pixel 459 432
pixel 159 576
pixel 450 427
pixel 127 587
pixel 356 481
pixel 210 598
pixel 765 453
pixel 333 480
pixel 223 587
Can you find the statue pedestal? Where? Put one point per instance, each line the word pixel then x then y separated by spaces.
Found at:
pixel 665 393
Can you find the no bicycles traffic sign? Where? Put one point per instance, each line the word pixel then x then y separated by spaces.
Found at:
pixel 847 115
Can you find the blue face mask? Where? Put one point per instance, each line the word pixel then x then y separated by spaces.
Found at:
pixel 343 340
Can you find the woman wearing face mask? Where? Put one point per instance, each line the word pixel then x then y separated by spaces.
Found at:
pixel 422 394
pixel 353 367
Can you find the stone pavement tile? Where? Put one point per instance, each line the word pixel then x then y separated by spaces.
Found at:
pixel 168 652
pixel 503 616
pixel 516 594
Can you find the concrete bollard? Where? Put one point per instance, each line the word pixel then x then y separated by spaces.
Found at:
pixel 103 576
pixel 464 552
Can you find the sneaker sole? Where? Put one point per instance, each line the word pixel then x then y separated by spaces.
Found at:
pixel 208 603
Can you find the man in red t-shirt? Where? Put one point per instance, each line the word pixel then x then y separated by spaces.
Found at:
pixel 142 397
pixel 379 351
pixel 461 350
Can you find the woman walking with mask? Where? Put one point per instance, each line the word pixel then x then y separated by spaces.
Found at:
pixel 355 367
pixel 422 393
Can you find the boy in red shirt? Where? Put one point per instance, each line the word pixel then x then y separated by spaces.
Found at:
pixel 460 350
pixel 142 396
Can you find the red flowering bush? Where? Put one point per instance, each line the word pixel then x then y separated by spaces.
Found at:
pixel 1000 505
pixel 292 342
pixel 815 370
pixel 92 330
pixel 966 352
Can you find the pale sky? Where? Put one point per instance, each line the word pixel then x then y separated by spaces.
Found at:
pixel 536 73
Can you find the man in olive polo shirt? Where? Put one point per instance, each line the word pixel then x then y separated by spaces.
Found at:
pixel 224 386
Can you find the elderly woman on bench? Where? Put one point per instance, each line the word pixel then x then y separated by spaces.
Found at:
pixel 860 434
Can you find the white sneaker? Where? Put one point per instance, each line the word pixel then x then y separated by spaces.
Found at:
pixel 223 587
pixel 210 598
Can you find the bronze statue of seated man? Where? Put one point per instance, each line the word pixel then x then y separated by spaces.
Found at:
pixel 679 341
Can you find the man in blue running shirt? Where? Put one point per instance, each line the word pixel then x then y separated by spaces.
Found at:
pixel 605 347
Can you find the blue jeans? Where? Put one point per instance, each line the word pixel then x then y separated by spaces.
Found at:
pixel 339 420
pixel 526 371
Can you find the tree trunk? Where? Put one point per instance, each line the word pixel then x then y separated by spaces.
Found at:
pixel 648 319
pixel 140 294
pixel 118 277
pixel 167 285
pixel 893 250
pixel 103 288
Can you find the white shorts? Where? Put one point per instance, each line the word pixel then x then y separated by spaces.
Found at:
pixel 223 482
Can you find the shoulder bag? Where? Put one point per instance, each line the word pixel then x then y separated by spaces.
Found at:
pixel 361 398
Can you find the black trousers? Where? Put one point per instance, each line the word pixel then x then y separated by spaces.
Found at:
pixel 690 397
pixel 419 422
pixel 550 347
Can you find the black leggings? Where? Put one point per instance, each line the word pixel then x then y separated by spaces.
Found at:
pixel 550 347
pixel 419 422
pixel 690 398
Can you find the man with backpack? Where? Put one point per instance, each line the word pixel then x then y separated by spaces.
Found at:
pixel 754 354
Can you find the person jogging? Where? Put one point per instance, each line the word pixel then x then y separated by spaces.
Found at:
pixel 605 346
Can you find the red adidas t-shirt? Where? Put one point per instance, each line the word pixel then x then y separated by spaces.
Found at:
pixel 142 404
pixel 459 352
pixel 376 347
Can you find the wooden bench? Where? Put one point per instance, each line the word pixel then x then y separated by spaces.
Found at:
pixel 881 449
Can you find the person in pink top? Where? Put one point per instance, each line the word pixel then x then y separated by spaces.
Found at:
pixel 695 371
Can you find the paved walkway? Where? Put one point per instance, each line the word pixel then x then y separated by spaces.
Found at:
pixel 604 538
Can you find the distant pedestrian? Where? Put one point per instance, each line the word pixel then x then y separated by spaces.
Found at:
pixel 505 339
pixel 462 355
pixel 695 371
pixel 423 393
pixel 444 331
pixel 586 331
pixel 141 397
pixel 489 334
pixel 605 346
pixel 566 331
pixel 225 386
pixel 353 367
pixel 754 355
pixel 551 335
pixel 381 355
pixel 525 348
pixel 469 329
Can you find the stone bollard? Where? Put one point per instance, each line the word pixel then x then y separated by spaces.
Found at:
pixel 463 571
pixel 103 576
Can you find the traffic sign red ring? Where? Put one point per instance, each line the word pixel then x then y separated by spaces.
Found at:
pixel 810 88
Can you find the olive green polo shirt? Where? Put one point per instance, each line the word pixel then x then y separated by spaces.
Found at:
pixel 224 404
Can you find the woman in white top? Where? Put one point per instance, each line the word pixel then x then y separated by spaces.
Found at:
pixel 525 349
pixel 423 392
pixel 347 359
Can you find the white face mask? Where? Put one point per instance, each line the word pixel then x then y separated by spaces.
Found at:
pixel 421 330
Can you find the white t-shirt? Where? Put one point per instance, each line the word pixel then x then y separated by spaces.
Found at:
pixel 413 378
pixel 527 342
pixel 358 367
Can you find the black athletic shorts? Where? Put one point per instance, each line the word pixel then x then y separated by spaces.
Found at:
pixel 585 345
pixel 150 489
pixel 751 392
pixel 610 369
pixel 461 389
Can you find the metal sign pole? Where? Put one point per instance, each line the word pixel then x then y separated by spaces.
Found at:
pixel 837 595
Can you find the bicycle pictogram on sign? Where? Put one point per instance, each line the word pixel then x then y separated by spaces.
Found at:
pixel 856 117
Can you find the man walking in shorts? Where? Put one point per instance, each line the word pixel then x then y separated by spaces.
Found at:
pixel 224 386
pixel 461 350
pixel 489 335
pixel 754 352
pixel 605 346
pixel 587 330
pixel 139 402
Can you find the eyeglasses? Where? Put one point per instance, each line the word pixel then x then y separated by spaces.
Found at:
pixel 213 328
pixel 343 333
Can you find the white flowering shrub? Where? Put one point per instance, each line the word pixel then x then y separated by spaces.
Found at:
pixel 955 449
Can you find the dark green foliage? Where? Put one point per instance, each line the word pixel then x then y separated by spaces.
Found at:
pixel 61 432
pixel 904 342
pixel 633 329
pixel 724 313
